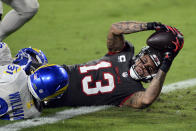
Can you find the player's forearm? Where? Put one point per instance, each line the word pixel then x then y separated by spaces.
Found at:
pixel 128 27
pixel 154 89
pixel 143 99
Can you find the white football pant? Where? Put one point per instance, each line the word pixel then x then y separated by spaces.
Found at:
pixel 23 11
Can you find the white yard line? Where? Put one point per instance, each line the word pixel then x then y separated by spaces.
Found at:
pixel 66 114
pixel 179 85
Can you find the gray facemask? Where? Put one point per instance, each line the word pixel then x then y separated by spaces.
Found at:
pixel 133 72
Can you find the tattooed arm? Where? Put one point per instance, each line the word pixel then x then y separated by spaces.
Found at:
pixel 143 99
pixel 115 39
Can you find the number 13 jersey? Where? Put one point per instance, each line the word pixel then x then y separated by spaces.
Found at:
pixel 105 81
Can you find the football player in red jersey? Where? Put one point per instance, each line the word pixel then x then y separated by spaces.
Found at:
pixel 115 79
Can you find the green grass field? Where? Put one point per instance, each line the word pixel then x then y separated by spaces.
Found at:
pixel 74 31
pixel 172 112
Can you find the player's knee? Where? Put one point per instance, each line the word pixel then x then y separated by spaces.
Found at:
pixel 29 10
pixel 32 12
pixel 33 8
pixel 28 15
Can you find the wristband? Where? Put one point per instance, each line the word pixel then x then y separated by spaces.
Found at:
pixel 165 66
pixel 150 25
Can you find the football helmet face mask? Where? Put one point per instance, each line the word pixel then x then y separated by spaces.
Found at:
pixel 48 81
pixel 139 70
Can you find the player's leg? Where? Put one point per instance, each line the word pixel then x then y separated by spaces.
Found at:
pixel 23 10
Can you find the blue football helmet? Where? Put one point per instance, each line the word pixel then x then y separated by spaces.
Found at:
pixel 48 81
pixel 30 59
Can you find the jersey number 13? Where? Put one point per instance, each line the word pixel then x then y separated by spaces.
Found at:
pixel 99 88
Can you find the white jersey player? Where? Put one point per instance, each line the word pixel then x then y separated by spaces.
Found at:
pixel 16 101
pixel 23 11
pixel 20 94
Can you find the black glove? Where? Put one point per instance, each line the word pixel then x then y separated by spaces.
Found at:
pixel 167 61
pixel 155 26
pixel 179 40
pixel 173 49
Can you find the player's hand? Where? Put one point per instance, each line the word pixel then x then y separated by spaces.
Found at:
pixel 30 59
pixel 24 60
pixel 167 61
pixel 178 43
pixel 169 56
pixel 27 66
pixel 155 26
pixel 37 56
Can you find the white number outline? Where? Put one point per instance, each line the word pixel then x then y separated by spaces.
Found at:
pixel 98 89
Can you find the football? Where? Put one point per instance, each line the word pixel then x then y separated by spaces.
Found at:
pixel 161 40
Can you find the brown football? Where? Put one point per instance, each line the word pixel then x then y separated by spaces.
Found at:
pixel 161 40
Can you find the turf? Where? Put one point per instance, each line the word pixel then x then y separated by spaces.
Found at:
pixel 175 111
pixel 74 31
pixel 71 32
